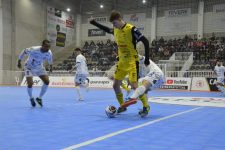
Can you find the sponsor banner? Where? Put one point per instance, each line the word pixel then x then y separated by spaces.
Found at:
pixel 136 17
pixel 95 82
pixel 199 84
pixel 178 12
pixel 177 83
pixel 196 101
pixel 99 19
pixel 60 27
pixel 212 84
pixel 61 39
pixel 100 82
pixel 36 82
pixel 96 32
pixel 220 8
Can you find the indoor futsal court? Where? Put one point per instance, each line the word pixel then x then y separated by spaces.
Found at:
pixel 64 123
pixel 112 74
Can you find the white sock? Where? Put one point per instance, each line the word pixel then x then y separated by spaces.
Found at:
pixel 79 92
pixel 222 89
pixel 43 90
pixel 138 92
pixel 29 91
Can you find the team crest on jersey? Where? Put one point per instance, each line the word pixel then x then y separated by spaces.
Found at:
pixel 195 101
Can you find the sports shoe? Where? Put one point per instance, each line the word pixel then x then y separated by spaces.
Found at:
pixel 39 101
pixel 121 109
pixel 144 112
pixel 33 104
pixel 80 99
pixel 129 102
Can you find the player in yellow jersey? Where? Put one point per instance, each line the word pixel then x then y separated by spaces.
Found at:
pixel 126 37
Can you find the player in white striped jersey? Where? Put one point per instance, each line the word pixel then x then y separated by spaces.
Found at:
pixel 219 71
pixel 37 55
pixel 151 77
pixel 81 77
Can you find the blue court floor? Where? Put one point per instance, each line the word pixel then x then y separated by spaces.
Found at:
pixel 65 123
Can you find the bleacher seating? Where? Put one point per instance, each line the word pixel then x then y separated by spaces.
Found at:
pixel 100 55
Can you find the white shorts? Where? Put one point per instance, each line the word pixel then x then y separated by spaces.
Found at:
pixel 81 78
pixel 34 72
pixel 110 72
pixel 155 78
pixel 220 80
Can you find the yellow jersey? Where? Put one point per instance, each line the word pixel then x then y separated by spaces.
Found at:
pixel 126 43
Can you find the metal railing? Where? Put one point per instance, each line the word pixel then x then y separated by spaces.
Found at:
pixel 190 74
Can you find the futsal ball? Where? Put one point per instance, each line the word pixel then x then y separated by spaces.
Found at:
pixel 110 111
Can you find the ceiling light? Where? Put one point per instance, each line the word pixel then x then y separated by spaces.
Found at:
pixel 68 9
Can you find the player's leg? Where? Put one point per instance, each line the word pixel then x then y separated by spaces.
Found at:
pixel 220 85
pixel 118 77
pixel 221 88
pixel 44 88
pixel 83 86
pixel 30 89
pixel 77 81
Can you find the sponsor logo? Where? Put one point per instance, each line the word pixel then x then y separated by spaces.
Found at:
pixel 99 82
pixel 134 18
pixel 96 32
pixel 69 24
pixel 212 84
pixel 212 81
pixel 199 84
pixel 177 87
pixel 169 82
pixel 35 82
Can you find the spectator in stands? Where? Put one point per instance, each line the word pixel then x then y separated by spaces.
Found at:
pixel 81 78
pixel 37 55
pixel 126 36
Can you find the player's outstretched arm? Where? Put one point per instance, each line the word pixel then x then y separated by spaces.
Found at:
pixel 21 56
pixel 145 41
pixel 100 26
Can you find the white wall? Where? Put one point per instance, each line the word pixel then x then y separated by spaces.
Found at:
pixel 24 25
pixel 214 22
pixel 1 38
pixel 170 26
pixel 30 22
pixel 7 33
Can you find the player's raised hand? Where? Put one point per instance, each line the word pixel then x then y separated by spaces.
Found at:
pixel 91 20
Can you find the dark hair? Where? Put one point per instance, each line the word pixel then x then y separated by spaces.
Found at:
pixel 45 42
pixel 77 49
pixel 115 15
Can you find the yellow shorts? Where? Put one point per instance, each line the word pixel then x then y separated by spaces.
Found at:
pixel 132 72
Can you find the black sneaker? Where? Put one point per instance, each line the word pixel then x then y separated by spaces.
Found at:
pixel 33 104
pixel 144 112
pixel 121 109
pixel 39 101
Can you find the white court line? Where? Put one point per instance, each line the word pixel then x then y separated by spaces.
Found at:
pixel 126 130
